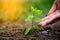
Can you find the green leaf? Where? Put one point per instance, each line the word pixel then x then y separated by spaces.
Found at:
pixel 35 27
pixel 38 12
pixel 27 30
pixel 30 17
pixel 38 20
pixel 33 9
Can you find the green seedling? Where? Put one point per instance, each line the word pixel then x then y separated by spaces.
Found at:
pixel 35 12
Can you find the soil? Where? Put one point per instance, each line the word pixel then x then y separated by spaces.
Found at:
pixel 50 32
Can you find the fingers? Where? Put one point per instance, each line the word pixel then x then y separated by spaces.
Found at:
pixel 53 9
pixel 52 17
pixel 43 23
pixel 45 20
pixel 47 17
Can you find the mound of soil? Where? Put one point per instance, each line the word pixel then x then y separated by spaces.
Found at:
pixel 50 32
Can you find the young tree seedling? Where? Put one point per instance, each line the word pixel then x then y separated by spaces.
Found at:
pixel 34 13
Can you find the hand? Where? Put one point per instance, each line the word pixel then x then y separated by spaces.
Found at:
pixel 50 14
pixel 49 18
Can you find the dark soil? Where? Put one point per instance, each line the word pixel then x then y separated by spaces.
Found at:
pixel 50 32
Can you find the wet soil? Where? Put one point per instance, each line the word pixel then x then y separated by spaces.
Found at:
pixel 50 32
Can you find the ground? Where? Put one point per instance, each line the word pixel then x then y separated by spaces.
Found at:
pixel 51 32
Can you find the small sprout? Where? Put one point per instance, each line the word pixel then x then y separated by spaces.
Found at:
pixel 27 30
pixel 35 27
pixel 34 12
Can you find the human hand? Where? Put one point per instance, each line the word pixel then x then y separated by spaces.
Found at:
pixel 50 14
pixel 49 18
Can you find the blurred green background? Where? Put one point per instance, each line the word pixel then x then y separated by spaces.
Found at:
pixel 43 5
